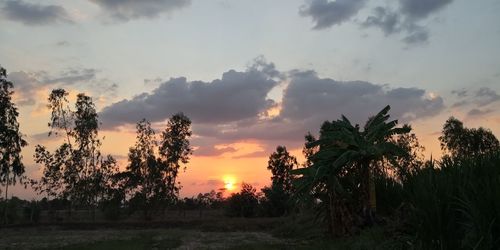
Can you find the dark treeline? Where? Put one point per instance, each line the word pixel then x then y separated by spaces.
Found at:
pixel 354 178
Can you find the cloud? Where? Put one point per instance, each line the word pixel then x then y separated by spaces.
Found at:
pixel 480 102
pixel 460 103
pixel 233 97
pixel 25 87
pixel 229 110
pixel 28 84
pixel 416 35
pixel 326 13
pixel 388 21
pixel 63 44
pixel 486 96
pixel 391 22
pixel 460 92
pixel 309 100
pixel 419 9
pixel 309 96
pixel 34 14
pixel 70 77
pixel 213 151
pixel 125 10
pixel 479 112
pixel 403 17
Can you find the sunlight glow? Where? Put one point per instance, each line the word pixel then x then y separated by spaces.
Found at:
pixel 229 182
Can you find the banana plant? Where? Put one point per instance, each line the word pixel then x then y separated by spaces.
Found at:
pixel 342 167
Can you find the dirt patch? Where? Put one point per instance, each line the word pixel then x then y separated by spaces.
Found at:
pixel 225 240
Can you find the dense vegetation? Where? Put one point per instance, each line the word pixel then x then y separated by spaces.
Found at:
pixel 355 179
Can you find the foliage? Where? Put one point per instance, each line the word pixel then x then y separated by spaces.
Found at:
pixel 174 150
pixel 340 175
pixel 404 164
pixel 276 198
pixel 19 211
pixel 76 170
pixel 455 205
pixel 151 180
pixel 243 204
pixel 11 140
pixel 460 141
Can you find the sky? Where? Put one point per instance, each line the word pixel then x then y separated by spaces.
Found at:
pixel 251 74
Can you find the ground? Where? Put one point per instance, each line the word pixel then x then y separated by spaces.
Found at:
pixel 54 238
pixel 186 232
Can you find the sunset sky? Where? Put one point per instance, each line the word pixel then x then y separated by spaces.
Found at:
pixel 251 74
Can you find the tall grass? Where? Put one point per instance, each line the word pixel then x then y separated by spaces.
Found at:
pixel 455 204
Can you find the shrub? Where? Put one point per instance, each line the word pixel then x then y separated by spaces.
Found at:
pixel 244 203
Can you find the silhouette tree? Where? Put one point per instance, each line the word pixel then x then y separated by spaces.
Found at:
pixel 152 179
pixel 174 150
pixel 276 202
pixel 143 168
pixel 344 164
pixel 77 170
pixel 11 140
pixel 243 203
pixel 408 163
pixel 460 141
pixel 307 151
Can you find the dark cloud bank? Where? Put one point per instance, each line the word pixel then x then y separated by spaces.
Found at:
pixel 33 14
pixel 402 18
pixel 231 108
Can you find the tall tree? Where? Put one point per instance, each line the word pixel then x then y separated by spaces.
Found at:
pixel 11 140
pixel 143 168
pixel 175 150
pixel 276 202
pixel 280 164
pixel 460 141
pixel 76 170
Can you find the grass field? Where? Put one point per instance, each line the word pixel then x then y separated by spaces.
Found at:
pixel 57 238
pixel 229 233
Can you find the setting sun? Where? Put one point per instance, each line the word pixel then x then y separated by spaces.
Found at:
pixel 229 182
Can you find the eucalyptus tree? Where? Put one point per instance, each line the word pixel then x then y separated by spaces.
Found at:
pixel 76 170
pixel 174 151
pixel 143 169
pixel 11 139
pixel 341 173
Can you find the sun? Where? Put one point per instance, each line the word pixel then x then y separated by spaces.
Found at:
pixel 229 182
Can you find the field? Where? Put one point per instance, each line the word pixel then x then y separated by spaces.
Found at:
pixel 190 232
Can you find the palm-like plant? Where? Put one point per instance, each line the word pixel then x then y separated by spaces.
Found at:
pixel 341 174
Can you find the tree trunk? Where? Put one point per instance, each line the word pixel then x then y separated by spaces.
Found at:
pixel 6 197
pixel 369 193
pixel 331 215
pixel 372 193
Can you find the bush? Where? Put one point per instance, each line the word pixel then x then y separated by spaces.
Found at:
pixel 111 209
pixel 31 212
pixel 243 204
pixel 275 202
